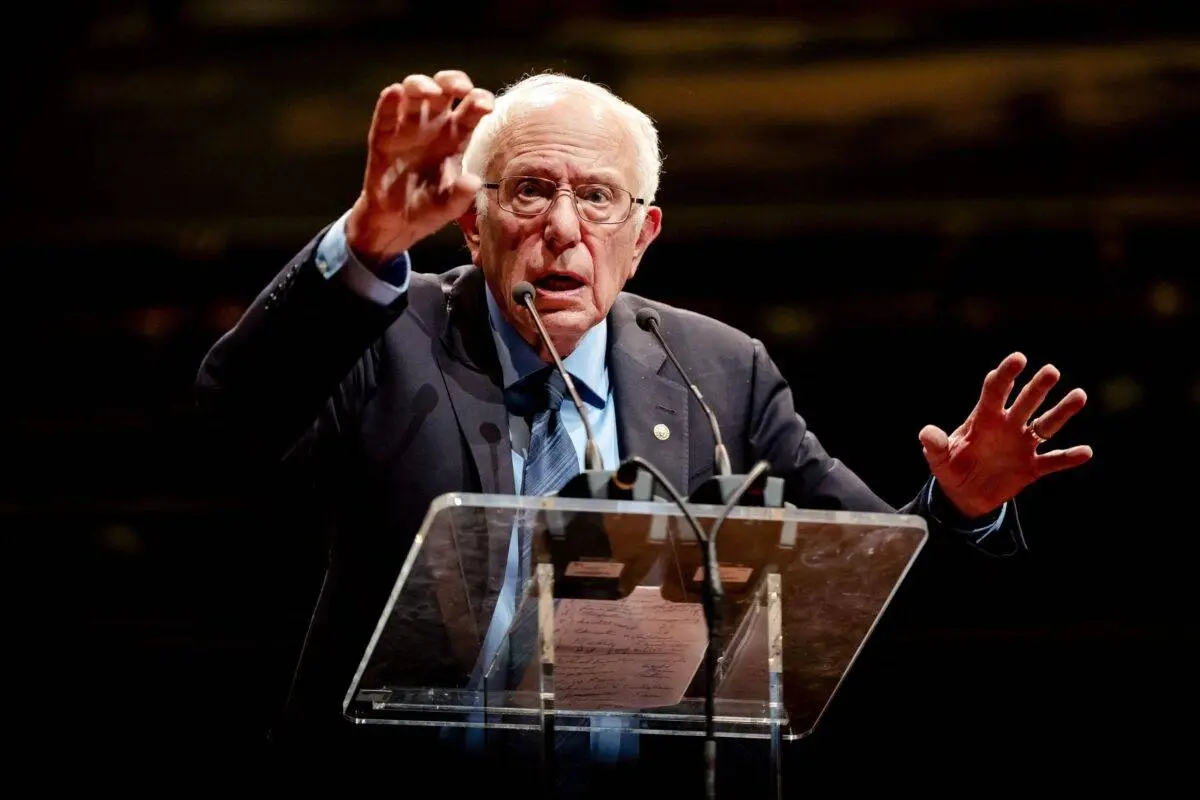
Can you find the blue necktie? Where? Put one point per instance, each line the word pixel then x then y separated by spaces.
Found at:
pixel 551 460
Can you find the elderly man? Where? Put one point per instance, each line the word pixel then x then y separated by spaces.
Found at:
pixel 391 385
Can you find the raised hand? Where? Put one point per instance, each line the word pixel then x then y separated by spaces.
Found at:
pixel 413 183
pixel 994 454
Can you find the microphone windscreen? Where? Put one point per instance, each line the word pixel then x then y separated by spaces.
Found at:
pixel 522 290
pixel 646 317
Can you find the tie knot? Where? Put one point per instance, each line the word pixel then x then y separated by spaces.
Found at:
pixel 556 388
pixel 543 390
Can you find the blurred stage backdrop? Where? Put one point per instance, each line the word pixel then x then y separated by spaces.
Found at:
pixel 892 194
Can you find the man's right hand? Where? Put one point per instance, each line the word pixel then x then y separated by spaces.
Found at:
pixel 414 182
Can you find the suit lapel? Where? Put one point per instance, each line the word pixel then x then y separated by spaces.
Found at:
pixel 646 400
pixel 466 354
pixel 467 357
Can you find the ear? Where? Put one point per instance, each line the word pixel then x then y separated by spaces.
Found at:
pixel 651 226
pixel 468 223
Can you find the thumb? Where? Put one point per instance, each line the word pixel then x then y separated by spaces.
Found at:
pixel 936 445
pixel 451 201
pixel 462 194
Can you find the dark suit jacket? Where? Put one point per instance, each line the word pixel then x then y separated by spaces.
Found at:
pixel 390 407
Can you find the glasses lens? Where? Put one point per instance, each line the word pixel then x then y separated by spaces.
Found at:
pixel 600 203
pixel 526 196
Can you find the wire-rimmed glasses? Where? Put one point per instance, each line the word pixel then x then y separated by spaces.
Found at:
pixel 528 196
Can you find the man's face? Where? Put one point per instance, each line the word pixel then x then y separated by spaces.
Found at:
pixel 578 267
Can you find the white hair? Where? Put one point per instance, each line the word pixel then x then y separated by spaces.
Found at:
pixel 538 90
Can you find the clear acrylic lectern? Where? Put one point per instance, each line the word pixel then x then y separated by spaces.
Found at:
pixel 547 614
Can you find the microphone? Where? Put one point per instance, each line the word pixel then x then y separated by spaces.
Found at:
pixel 591 558
pixel 723 487
pixel 648 320
pixel 522 295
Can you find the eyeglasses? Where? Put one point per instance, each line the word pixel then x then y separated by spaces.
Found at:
pixel 594 202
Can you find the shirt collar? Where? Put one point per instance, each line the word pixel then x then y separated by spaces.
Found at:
pixel 587 363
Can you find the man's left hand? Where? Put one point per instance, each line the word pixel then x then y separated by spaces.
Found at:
pixel 994 454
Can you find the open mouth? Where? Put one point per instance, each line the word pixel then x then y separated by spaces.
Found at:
pixel 558 282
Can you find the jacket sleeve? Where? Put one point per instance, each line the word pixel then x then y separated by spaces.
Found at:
pixel 298 354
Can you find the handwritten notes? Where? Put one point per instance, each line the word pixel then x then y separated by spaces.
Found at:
pixel 638 652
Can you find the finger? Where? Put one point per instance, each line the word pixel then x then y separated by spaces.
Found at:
pixel 1033 394
pixel 440 207
pixel 1058 460
pixel 1053 420
pixel 455 83
pixel 477 104
pixel 451 169
pixel 387 111
pixel 462 195
pixel 998 384
pixel 384 123
pixel 423 99
pixel 936 445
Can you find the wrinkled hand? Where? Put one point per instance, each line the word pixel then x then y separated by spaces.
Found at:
pixel 994 454
pixel 413 183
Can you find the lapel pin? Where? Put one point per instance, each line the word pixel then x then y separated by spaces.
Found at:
pixel 662 432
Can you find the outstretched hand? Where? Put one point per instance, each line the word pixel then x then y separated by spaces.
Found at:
pixel 414 182
pixel 994 454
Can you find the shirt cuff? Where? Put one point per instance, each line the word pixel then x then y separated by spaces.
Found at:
pixel 334 257
pixel 953 519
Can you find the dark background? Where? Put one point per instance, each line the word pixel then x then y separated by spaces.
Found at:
pixel 892 194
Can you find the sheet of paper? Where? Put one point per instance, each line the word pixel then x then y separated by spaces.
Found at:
pixel 638 652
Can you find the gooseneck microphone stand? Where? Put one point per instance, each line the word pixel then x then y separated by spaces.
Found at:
pixel 729 491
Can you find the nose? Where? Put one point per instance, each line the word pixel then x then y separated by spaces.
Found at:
pixel 561 230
